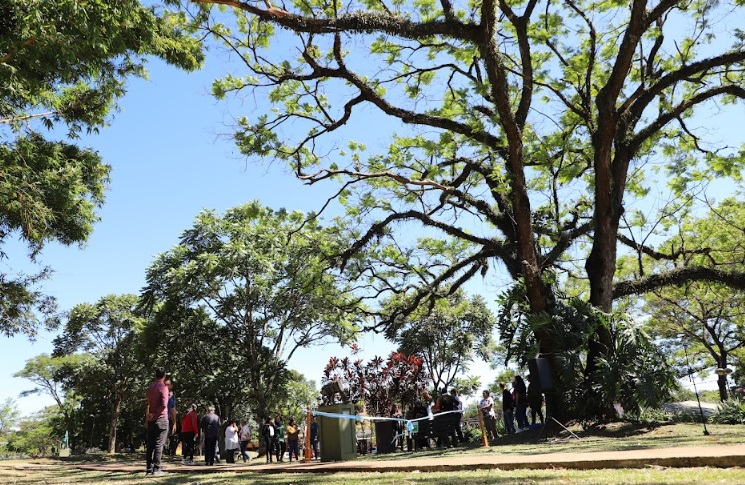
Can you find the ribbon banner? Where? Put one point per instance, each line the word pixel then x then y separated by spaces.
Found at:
pixel 409 422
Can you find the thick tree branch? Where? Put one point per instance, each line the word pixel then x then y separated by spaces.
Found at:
pixel 360 22
pixel 678 277
pixel 609 93
pixel 378 229
pixel 638 102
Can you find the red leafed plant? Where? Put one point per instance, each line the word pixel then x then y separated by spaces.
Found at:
pixel 378 384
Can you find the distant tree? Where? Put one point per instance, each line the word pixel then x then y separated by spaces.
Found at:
pixel 449 336
pixel 704 317
pixel 296 396
pixel 35 435
pixel 467 386
pixel 54 377
pixel 706 321
pixel 9 415
pixel 64 64
pixel 506 376
pixel 108 332
pixel 239 295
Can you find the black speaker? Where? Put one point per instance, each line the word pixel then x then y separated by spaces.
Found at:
pixel 540 369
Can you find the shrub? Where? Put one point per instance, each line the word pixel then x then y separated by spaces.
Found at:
pixel 731 411
pixel 650 416
pixel 654 416
pixel 472 434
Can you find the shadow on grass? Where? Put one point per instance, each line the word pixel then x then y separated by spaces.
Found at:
pixel 118 478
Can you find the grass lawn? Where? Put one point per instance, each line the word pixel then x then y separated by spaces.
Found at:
pixel 619 436
pixel 612 437
pixel 61 475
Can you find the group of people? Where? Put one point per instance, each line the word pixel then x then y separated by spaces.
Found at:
pixel 160 421
pixel 279 438
pixel 515 404
pixel 237 437
pixel 428 407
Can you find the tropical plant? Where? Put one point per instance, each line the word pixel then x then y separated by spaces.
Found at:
pixel 634 375
pixel 731 411
pixel 377 385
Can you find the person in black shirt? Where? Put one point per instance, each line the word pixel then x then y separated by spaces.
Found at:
pixel 535 399
pixel 267 434
pixel 210 426
pixel 507 407
pixel 521 402
pixel 459 407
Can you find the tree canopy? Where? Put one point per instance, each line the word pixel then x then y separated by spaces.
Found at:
pixel 63 65
pixel 241 293
pixel 520 131
pixel 107 330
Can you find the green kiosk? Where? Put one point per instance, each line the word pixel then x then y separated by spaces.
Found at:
pixel 338 436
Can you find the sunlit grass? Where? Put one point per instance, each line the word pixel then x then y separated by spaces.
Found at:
pixel 615 437
pixel 558 476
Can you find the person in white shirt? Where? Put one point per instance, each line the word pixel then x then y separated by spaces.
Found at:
pixel 486 406
pixel 245 436
pixel 231 441
pixel 428 399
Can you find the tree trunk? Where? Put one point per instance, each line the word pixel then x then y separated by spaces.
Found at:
pixel 610 182
pixel 722 381
pixel 723 391
pixel 116 409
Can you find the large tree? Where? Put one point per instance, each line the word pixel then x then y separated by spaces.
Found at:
pixel 240 294
pixel 518 128
pixel 63 65
pixel 108 331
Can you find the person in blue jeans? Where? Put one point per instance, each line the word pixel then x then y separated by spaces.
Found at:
pixel 486 408
pixel 293 439
pixel 156 423
pixel 507 407
pixel 521 402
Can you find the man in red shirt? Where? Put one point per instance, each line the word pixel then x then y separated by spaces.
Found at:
pixel 156 422
pixel 189 432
